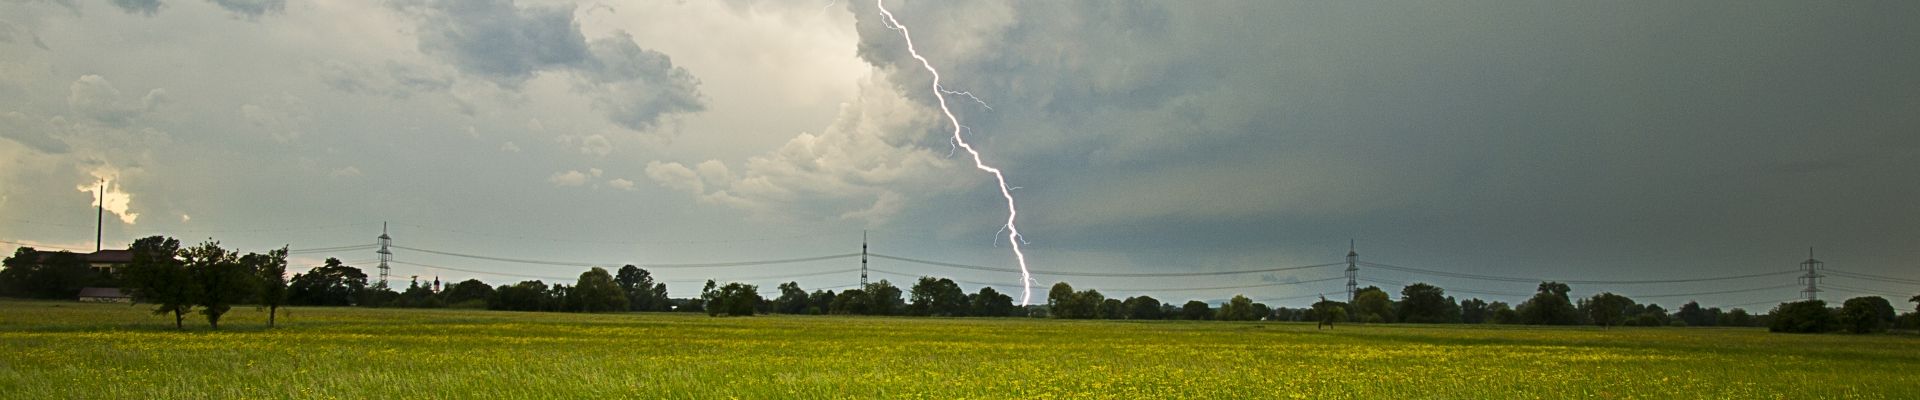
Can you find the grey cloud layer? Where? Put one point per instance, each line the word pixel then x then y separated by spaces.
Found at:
pixel 507 44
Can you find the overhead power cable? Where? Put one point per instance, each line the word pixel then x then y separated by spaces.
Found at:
pixel 1567 281
pixel 42 246
pixel 650 266
pixel 1098 274
pixel 1175 289
pixel 1857 275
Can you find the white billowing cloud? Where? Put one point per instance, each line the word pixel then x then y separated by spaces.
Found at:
pixel 568 178
pixel 620 183
pixel 345 172
pixel 596 145
pixel 184 218
pixel 677 177
pixel 866 166
pixel 104 189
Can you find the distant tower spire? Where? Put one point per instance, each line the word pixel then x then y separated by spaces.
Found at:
pixel 100 220
pixel 1353 271
pixel 1812 277
pixel 863 259
pixel 386 255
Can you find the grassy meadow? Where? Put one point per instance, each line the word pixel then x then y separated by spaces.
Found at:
pixel 59 350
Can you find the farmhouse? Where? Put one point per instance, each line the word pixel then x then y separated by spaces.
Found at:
pixel 104 295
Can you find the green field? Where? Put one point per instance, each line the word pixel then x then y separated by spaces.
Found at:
pixel 69 350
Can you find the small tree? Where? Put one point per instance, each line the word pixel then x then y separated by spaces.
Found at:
pixel 271 270
pixel 793 300
pixel 157 276
pixel 223 280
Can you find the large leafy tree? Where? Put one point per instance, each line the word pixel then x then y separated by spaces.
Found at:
pixel 886 298
pixel 1059 296
pixel 271 270
pixel 1113 309
pixel 158 276
pixel 1473 311
pixel 468 293
pixel 991 303
pixel 820 302
pixel 1607 309
pixel 852 302
pixel 1143 307
pixel 793 300
pixel 47 275
pixel 1196 310
pixel 643 293
pixel 938 297
pixel 1549 306
pixel 1867 314
pixel 1694 315
pixel 1371 304
pixel 1423 303
pixel 1240 308
pixel 523 296
pixel 331 284
pixel 734 299
pixel 223 280
pixel 1811 316
pixel 597 292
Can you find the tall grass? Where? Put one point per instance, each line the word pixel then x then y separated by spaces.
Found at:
pixel 69 350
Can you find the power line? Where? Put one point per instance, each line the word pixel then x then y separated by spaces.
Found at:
pixel 1861 276
pixel 40 246
pixel 1866 291
pixel 1656 296
pixel 649 266
pixel 1185 289
pixel 1098 274
pixel 624 242
pixel 1567 281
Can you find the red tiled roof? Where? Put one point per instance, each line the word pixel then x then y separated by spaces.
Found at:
pixel 109 257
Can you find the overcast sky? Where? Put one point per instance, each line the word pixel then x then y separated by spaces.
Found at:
pixel 1637 140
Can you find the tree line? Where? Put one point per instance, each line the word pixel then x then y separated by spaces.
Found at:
pixel 212 280
pixel 176 280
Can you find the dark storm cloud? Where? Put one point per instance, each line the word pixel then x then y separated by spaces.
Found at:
pixel 509 44
pixel 1551 130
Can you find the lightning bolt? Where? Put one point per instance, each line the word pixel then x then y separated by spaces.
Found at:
pixel 1013 232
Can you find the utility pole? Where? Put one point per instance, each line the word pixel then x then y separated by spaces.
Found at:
pixel 863 259
pixel 385 255
pixel 1812 277
pixel 100 220
pixel 1353 271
